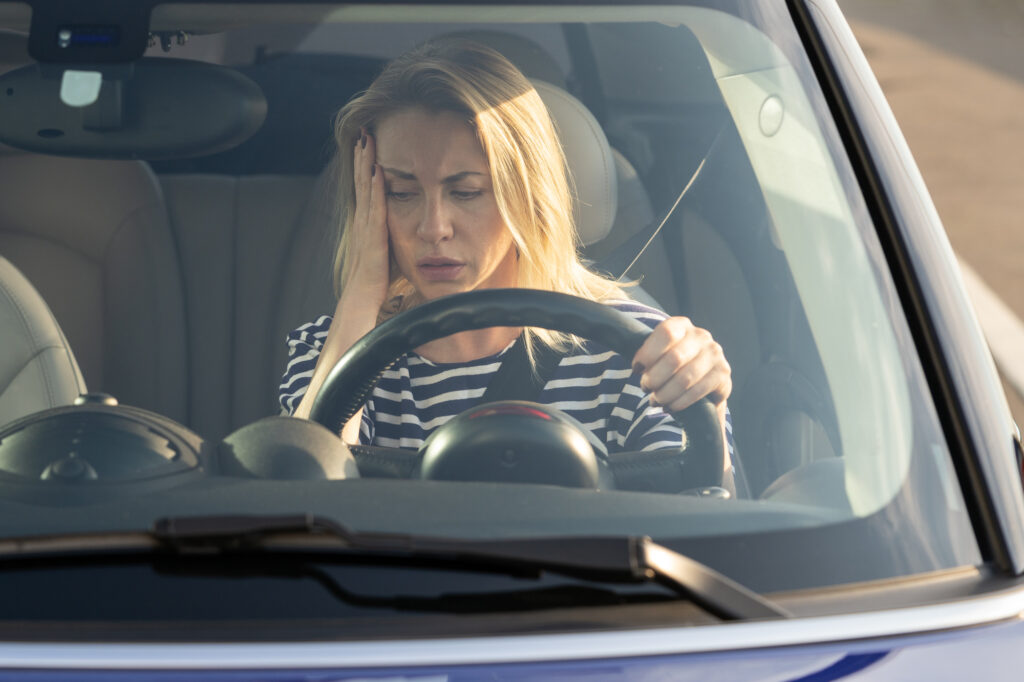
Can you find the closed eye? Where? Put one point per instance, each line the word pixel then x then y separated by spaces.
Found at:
pixel 466 195
pixel 400 196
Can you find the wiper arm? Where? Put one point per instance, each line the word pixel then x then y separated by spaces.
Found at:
pixel 628 558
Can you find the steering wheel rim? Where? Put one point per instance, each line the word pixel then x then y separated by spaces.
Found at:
pixel 351 380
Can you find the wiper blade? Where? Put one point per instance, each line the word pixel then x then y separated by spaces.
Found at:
pixel 627 558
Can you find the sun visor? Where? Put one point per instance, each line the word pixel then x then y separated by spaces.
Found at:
pixel 153 108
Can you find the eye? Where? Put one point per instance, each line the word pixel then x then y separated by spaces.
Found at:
pixel 400 196
pixel 466 194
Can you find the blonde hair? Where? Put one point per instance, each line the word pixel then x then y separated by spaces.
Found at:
pixel 527 165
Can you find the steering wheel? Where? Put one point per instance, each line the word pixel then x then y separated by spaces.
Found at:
pixel 697 463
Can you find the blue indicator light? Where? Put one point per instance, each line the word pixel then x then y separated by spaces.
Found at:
pixel 88 36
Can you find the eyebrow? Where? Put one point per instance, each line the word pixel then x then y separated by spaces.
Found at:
pixel 403 175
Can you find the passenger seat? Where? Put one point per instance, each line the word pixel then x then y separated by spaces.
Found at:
pixel 37 368
pixel 93 238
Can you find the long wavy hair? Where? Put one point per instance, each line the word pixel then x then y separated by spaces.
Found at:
pixel 528 169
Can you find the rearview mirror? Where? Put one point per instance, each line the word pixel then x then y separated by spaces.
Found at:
pixel 154 108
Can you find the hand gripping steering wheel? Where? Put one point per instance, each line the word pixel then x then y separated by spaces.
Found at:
pixel 697 463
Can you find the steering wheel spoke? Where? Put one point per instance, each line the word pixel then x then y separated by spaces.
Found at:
pixel 375 461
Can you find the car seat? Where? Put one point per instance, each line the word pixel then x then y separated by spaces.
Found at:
pixel 92 237
pixel 37 368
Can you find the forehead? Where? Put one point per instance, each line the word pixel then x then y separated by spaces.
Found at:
pixel 425 143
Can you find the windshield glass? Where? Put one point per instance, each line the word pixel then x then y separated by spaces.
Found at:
pixel 182 225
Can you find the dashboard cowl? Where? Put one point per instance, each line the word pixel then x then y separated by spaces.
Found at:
pixel 95 442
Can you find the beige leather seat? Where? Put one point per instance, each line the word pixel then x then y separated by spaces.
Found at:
pixel 93 238
pixel 37 368
pixel 235 234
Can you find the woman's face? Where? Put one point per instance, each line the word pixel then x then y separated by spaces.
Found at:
pixel 447 235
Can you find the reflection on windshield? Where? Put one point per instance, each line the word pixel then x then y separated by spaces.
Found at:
pixel 206 300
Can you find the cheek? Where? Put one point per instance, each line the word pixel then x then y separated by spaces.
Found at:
pixel 499 234
pixel 402 216
pixel 399 225
pixel 486 218
pixel 398 242
pixel 402 209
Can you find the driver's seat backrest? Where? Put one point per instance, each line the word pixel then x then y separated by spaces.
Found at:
pixel 93 238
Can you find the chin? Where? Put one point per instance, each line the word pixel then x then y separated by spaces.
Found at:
pixel 434 290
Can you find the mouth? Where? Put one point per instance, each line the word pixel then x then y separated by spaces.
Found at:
pixel 436 269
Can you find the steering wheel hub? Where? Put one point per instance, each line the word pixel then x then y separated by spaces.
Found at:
pixel 514 441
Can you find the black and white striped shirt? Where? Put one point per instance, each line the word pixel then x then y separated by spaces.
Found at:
pixel 594 385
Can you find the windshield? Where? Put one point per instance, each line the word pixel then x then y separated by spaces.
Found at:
pixel 181 223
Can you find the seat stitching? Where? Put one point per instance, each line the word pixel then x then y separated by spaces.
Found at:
pixel 50 240
pixel 125 221
pixel 10 295
pixel 7 382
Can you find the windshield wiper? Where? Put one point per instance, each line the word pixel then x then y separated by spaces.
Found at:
pixel 622 559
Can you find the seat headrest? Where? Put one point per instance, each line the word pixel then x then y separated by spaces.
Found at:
pixel 589 157
pixel 530 58
pixel 77 218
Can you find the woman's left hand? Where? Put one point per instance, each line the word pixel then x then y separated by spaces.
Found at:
pixel 681 363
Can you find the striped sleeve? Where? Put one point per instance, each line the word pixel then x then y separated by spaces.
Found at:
pixel 642 426
pixel 304 346
pixel 367 428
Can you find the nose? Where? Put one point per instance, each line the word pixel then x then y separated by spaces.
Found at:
pixel 436 223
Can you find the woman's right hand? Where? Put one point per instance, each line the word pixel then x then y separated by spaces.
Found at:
pixel 368 275
pixel 367 278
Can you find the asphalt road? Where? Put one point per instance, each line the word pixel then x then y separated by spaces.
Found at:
pixel 953 72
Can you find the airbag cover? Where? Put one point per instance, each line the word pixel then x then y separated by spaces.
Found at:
pixel 512 441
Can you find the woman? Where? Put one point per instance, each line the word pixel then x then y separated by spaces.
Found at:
pixel 453 179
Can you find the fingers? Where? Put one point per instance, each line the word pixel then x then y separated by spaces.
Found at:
pixel 376 200
pixel 667 334
pixel 716 385
pixel 682 364
pixel 377 220
pixel 362 165
pixel 371 206
pixel 367 262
